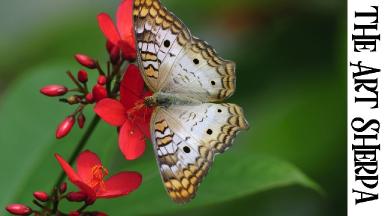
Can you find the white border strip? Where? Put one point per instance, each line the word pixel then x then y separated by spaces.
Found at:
pixel 365 108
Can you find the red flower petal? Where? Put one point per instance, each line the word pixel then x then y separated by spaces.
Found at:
pixel 72 175
pixel 111 111
pixel 84 164
pixel 128 51
pixel 124 21
pixel 75 179
pixel 108 28
pixel 131 141
pixel 83 187
pixel 120 184
pixel 132 86
pixel 143 122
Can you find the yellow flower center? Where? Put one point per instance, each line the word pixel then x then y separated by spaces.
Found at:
pixel 98 173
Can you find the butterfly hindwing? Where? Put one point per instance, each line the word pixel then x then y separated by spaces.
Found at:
pixel 172 60
pixel 186 139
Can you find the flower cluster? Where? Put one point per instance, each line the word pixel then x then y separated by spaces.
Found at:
pixel 117 97
pixel 118 94
pixel 129 114
pixel 121 49
pixel 89 179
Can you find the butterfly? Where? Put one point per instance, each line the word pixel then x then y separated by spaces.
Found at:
pixel 190 124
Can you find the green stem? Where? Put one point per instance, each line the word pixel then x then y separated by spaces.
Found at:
pixel 82 208
pixel 75 153
pixel 99 69
pixel 84 139
pixel 38 204
pixel 79 147
pixel 74 80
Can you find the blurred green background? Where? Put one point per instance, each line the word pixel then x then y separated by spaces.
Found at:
pixel 290 59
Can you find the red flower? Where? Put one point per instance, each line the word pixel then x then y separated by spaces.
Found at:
pixel 121 35
pixel 130 114
pixel 90 174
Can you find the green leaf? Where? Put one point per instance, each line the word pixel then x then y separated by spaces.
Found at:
pixel 28 125
pixel 234 175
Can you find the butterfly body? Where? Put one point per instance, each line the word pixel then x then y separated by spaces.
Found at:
pixel 190 123
pixel 167 99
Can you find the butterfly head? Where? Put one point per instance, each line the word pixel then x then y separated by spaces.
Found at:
pixel 150 101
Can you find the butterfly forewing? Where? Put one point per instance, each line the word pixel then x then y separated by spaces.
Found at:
pixel 171 60
pixel 160 38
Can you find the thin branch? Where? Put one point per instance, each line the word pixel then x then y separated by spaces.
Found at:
pixel 80 146
pixel 75 153
pixel 101 72
pixel 82 208
pixel 74 80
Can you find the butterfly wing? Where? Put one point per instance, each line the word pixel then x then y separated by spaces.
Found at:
pixel 186 139
pixel 172 60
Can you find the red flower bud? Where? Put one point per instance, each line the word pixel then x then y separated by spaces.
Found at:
pixel 81 120
pixel 82 76
pixel 99 93
pixel 86 61
pixel 115 55
pixel 54 90
pixel 76 196
pixel 89 98
pixel 74 213
pixel 63 187
pixel 102 80
pixel 42 196
pixel 19 209
pixel 130 57
pixel 90 201
pixel 65 127
pixel 109 45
